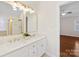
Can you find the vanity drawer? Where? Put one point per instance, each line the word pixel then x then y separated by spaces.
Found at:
pixel 22 52
pixel 41 47
pixel 32 50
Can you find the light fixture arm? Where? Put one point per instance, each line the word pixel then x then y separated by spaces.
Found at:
pixel 21 6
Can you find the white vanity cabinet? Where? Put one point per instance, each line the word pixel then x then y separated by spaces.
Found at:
pixel 22 52
pixel 35 49
pixel 41 46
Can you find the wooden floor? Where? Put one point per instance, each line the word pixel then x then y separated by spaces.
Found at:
pixel 69 46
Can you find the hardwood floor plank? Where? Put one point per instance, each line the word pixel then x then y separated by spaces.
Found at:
pixel 69 46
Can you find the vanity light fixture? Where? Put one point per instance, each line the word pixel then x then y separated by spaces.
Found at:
pixel 27 9
pixel 21 6
pixel 12 4
pixel 14 8
pixel 32 11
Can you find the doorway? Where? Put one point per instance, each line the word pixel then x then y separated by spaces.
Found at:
pixel 69 30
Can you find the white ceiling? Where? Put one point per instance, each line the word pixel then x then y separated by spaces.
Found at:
pixel 70 7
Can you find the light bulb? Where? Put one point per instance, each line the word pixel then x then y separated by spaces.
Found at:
pixel 32 11
pixel 14 8
pixel 21 8
pixel 63 14
pixel 27 9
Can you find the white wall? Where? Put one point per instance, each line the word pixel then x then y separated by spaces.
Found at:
pixel 68 21
pixel 68 26
pixel 48 24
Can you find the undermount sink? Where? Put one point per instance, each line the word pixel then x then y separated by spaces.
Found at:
pixel 13 39
pixel 7 40
pixel 17 39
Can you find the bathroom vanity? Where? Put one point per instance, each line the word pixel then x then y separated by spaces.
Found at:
pixel 16 22
pixel 32 46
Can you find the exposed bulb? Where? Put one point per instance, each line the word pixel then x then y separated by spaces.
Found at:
pixel 31 11
pixel 27 9
pixel 63 14
pixel 14 8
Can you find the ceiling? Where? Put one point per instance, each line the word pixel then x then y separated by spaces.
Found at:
pixel 70 7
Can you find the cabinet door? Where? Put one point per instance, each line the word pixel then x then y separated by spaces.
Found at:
pixel 33 50
pixel 22 52
pixel 41 47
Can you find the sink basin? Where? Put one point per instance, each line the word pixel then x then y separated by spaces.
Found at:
pixel 13 39
pixel 3 41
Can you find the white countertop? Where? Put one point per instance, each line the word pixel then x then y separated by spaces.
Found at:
pixel 9 47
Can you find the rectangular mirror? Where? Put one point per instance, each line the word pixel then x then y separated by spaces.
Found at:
pixel 14 21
